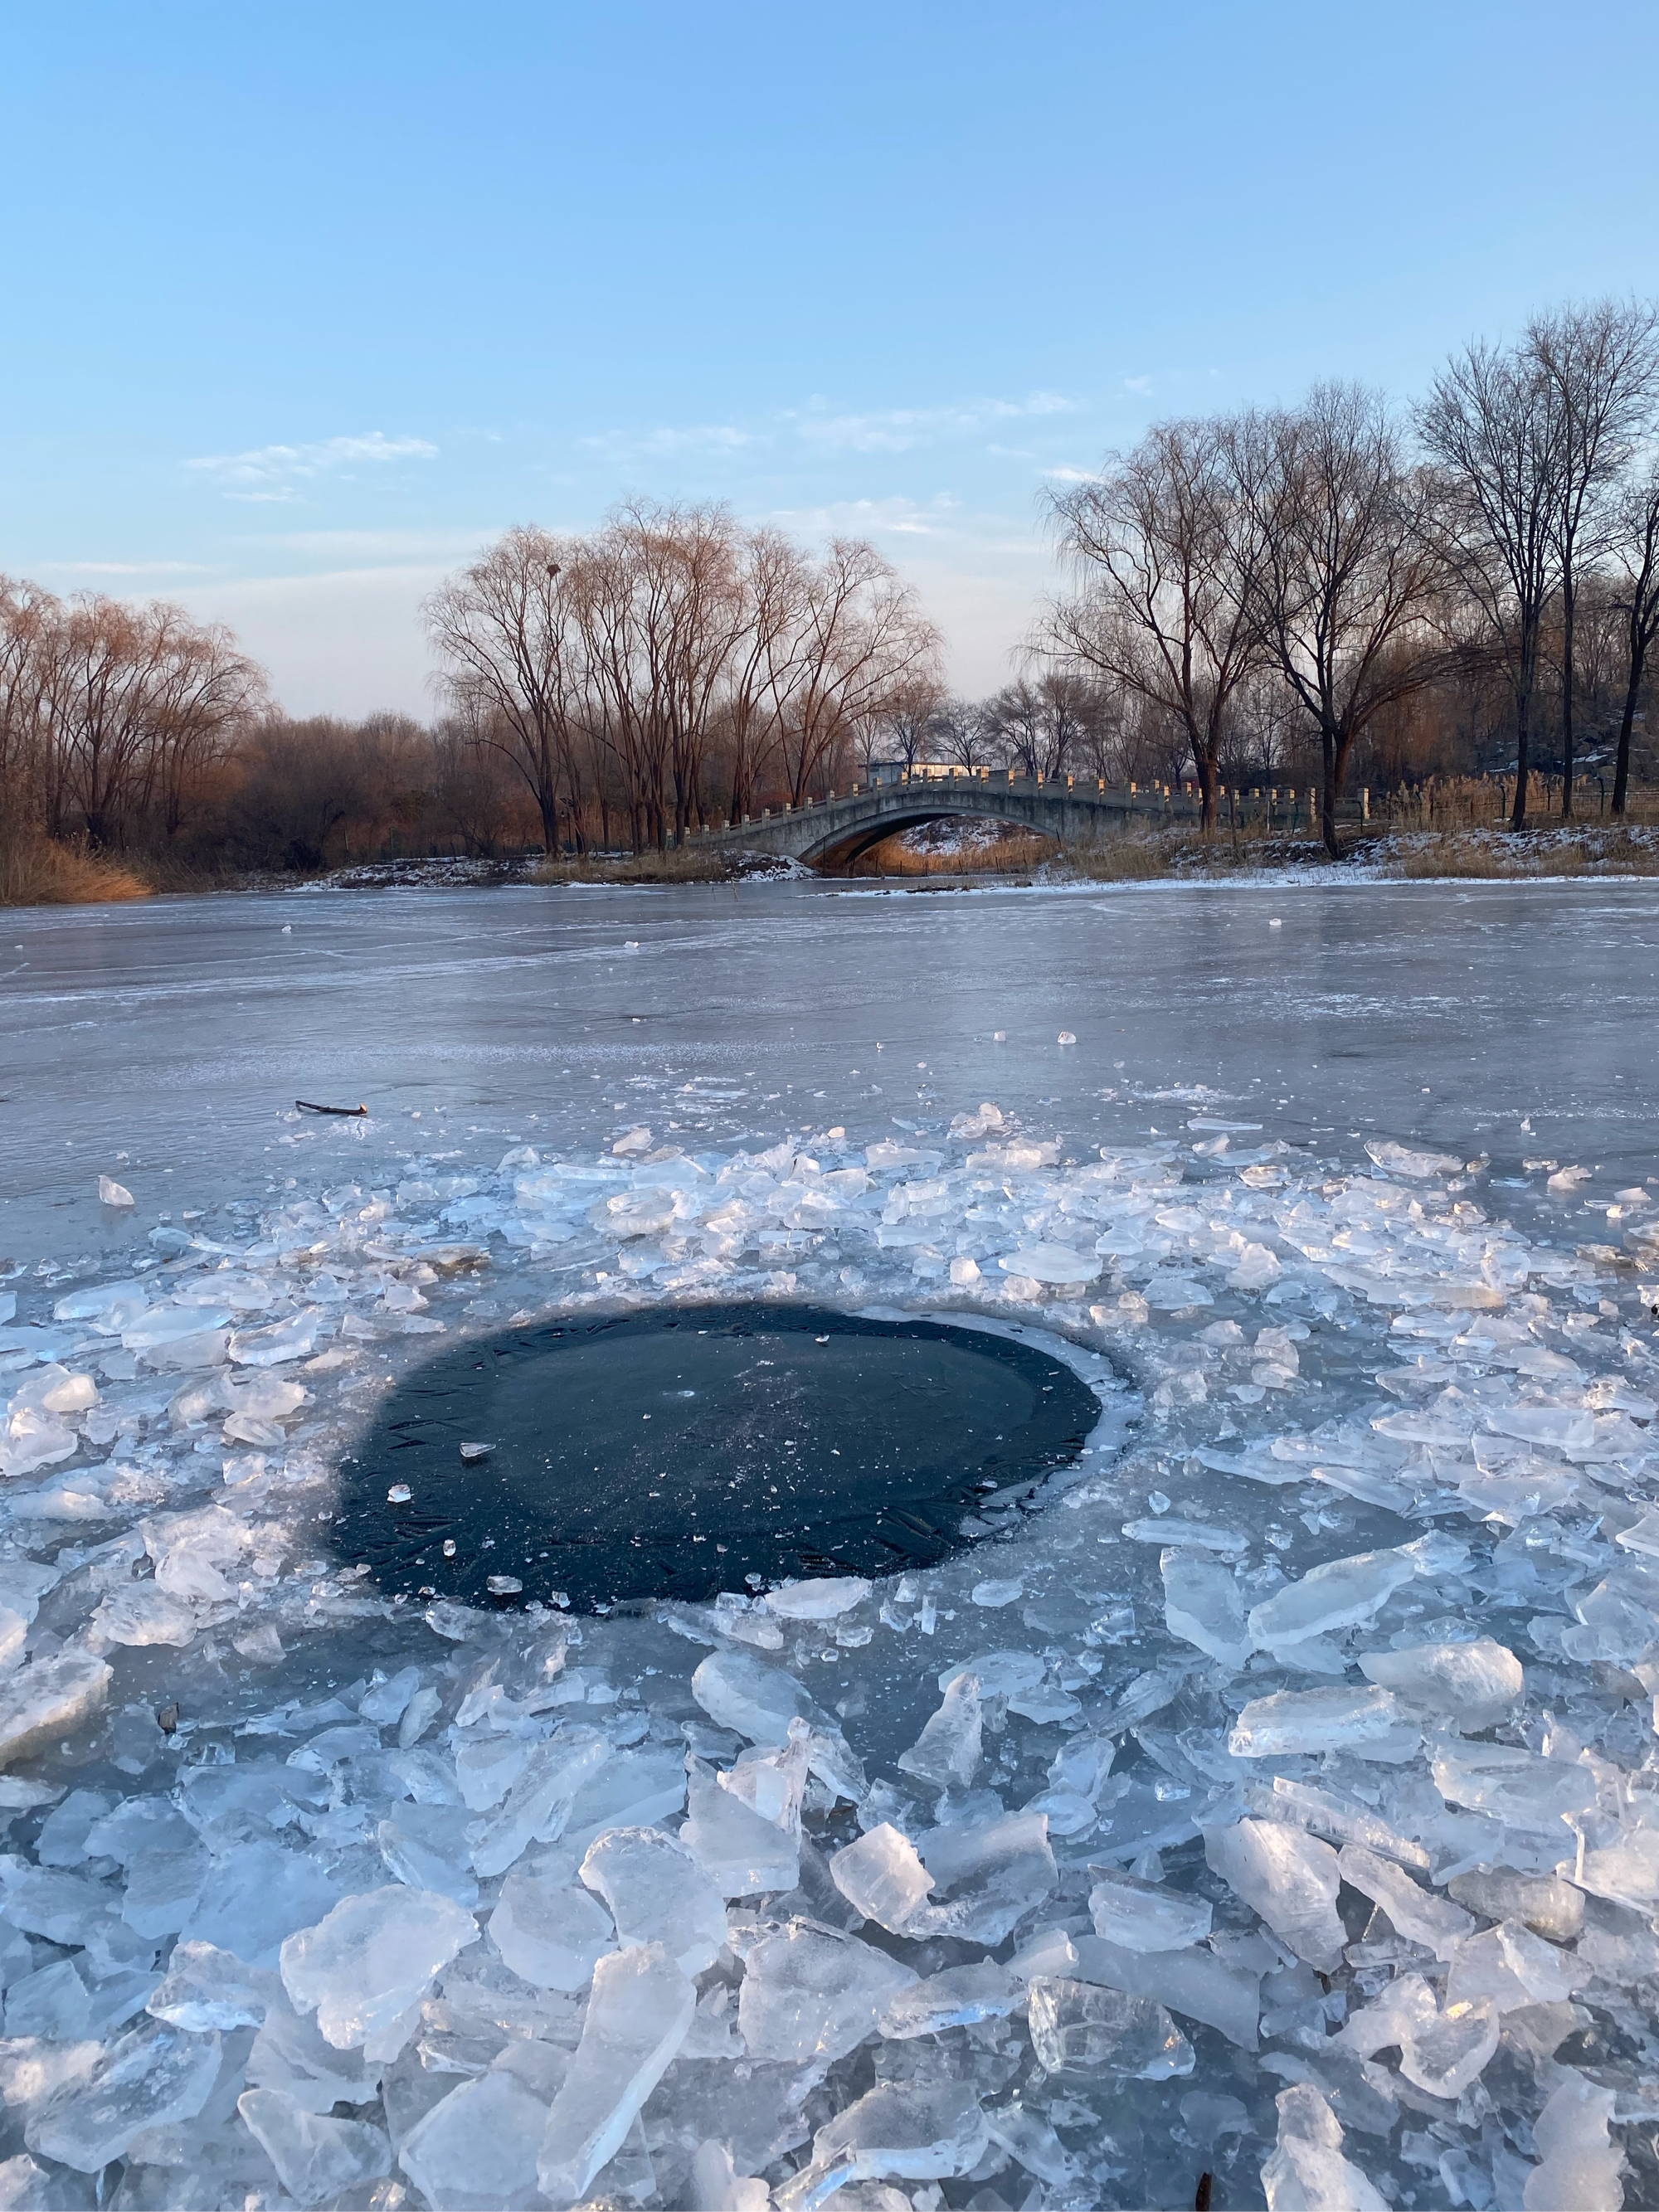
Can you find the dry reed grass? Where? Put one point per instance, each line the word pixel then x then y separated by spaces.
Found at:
pixel 1016 853
pixel 35 871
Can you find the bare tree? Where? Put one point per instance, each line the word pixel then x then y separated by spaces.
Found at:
pixel 1494 423
pixel 1157 543
pixel 907 716
pixel 1343 565
pixel 508 633
pixel 1635 547
pixel 1600 363
pixel 862 635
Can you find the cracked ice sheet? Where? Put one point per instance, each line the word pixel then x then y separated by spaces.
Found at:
pixel 1455 1418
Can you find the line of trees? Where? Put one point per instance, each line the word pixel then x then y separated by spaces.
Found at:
pixel 669 665
pixel 1297 593
pixel 1329 563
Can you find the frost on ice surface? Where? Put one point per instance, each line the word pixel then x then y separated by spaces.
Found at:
pixel 1300 1737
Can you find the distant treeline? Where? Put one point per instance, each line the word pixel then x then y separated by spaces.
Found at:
pixel 1316 594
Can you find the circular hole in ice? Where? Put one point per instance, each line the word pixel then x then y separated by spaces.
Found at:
pixel 690 1450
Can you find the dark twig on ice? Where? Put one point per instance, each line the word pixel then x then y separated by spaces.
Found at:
pixel 305 1107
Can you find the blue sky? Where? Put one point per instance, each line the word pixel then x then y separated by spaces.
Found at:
pixel 304 303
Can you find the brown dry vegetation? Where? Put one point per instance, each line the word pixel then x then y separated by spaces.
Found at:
pixel 1488 855
pixel 35 871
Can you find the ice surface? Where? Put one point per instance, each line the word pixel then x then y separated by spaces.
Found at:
pixel 1331 1361
pixel 641 2008
pixel 658 1893
pixel 363 1967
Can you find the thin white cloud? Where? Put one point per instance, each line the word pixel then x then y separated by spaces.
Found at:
pixel 127 568
pixel 1142 385
pixel 694 438
pixel 899 430
pixel 270 472
pixel 1065 474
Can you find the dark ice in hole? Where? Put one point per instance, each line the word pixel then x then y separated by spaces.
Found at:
pixel 676 1453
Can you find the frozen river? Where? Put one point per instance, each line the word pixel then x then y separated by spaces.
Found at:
pixel 1277 1802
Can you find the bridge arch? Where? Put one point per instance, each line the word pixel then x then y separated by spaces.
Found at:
pixel 835 853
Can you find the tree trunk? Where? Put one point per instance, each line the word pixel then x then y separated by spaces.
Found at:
pixel 1632 692
pixel 1206 780
pixel 1523 734
pixel 1568 609
pixel 1334 761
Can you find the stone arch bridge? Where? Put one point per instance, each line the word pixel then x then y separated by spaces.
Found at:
pixel 831 833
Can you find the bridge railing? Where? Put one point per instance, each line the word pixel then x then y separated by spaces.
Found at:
pixel 1271 807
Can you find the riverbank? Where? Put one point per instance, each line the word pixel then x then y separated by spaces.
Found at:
pixel 44 874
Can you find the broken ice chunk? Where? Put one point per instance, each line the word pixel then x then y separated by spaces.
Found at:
pixel 947 1752
pixel 363 1967
pixel 1289 1878
pixel 1415 1913
pixel 48 1698
pixel 914 2131
pixel 658 1893
pixel 1079 2027
pixel 111 1193
pixel 548 1931
pixel 824 1599
pixel 206 1989
pixel 1366 1722
pixel 809 1994
pixel 151 2076
pixel 1542 1902
pixel 314 2157
pixel 1142 1916
pixel 1509 1967
pixel 1579 2163
pixel 637 2017
pixel 1340 1595
pixel 717 2186
pixel 741 1854
pixel 477 2146
pixel 1202 1607
pixel 881 1876
pixel 1514 1784
pixel 289 2053
pixel 955 1998
pixel 987 1875
pixel 426 1847
pixel 256 1897
pixel 540 1799
pixel 1193 1982
pixel 1307 2171
pixel 741 1692
pixel 1442 2054
pixel 1476 1684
